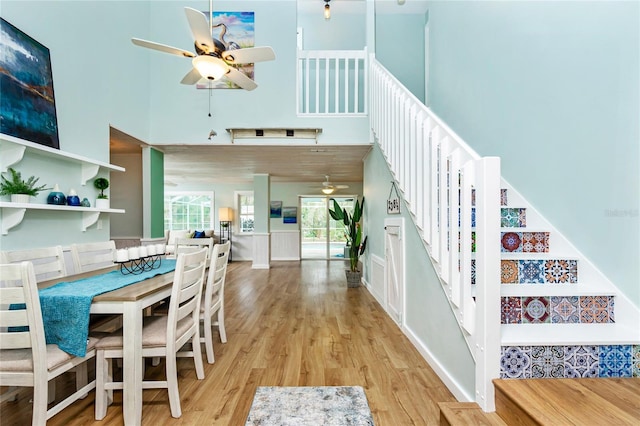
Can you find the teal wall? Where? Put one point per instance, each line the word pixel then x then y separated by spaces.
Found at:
pixel 553 89
pixel 428 315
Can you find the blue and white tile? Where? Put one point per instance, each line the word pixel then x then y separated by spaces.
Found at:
pixel 615 361
pixel 531 271
pixel 515 362
pixel 581 361
pixel 547 362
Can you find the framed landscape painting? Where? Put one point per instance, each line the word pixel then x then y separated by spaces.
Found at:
pixel 27 103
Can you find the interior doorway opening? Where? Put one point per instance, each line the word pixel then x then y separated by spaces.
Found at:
pixel 320 236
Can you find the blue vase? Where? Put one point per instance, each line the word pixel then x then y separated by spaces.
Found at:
pixel 85 202
pixel 73 200
pixel 56 197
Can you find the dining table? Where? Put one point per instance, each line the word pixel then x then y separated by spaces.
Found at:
pixel 129 301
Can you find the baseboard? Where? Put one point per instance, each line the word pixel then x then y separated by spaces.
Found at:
pixel 285 258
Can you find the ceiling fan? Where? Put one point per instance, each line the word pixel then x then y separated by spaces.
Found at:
pixel 214 59
pixel 329 188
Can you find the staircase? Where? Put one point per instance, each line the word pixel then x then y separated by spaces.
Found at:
pixel 525 298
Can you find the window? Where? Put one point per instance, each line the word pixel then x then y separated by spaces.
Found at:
pixel 188 210
pixel 245 210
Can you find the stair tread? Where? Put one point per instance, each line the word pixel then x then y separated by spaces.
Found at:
pixel 611 401
pixel 467 413
pixel 568 334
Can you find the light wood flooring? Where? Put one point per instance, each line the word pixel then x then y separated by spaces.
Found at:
pixel 295 324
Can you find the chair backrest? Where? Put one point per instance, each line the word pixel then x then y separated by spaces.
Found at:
pixel 186 294
pixel 48 262
pixel 214 291
pixel 92 256
pixel 20 315
pixel 187 245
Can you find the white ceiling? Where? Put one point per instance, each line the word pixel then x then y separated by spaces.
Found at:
pixel 233 163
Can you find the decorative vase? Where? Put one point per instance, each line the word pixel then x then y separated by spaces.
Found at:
pixel 20 198
pixel 85 202
pixel 102 203
pixel 56 197
pixel 353 278
pixel 73 199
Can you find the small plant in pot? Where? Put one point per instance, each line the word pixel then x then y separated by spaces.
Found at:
pixel 353 234
pixel 19 189
pixel 102 201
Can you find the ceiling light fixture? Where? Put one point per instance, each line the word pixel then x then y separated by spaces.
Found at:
pixel 210 67
pixel 327 10
pixel 328 190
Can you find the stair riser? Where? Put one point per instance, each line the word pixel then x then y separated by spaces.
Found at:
pixel 526 362
pixel 558 310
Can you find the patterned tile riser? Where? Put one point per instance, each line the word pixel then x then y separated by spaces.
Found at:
pixel 554 271
pixel 509 217
pixel 557 310
pixel 526 362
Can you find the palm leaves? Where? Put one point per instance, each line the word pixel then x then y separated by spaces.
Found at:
pixel 353 230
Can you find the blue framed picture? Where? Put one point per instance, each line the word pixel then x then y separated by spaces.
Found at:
pixel 27 102
pixel 275 210
pixel 290 215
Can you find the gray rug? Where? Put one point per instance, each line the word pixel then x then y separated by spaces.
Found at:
pixel 306 406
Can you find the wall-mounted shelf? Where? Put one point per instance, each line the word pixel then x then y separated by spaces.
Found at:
pixel 13 213
pixel 274 133
pixel 12 151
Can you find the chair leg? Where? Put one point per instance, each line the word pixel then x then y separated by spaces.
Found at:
pixel 208 339
pixel 172 385
pixel 81 377
pixel 221 330
pixel 197 356
pixel 103 369
pixel 51 391
pixel 40 403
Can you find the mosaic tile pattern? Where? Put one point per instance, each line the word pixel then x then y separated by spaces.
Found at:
pixel 535 242
pixel 565 309
pixel 596 309
pixel 511 241
pixel 561 271
pixel 580 361
pixel 535 310
pixel 473 272
pixel 513 218
pixel 511 310
pixel 547 362
pixel 309 405
pixel 551 271
pixel 557 309
pixel 523 362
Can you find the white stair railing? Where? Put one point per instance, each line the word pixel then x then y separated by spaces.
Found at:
pixel 439 175
pixel 332 82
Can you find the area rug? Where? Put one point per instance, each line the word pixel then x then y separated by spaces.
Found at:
pixel 312 405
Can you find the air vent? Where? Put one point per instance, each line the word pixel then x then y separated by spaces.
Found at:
pixel 274 133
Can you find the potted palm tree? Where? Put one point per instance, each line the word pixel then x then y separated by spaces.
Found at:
pixel 19 189
pixel 353 234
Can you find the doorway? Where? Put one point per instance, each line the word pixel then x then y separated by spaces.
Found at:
pixel 394 268
pixel 320 236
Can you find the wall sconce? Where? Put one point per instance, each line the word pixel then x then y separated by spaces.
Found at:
pixel 327 10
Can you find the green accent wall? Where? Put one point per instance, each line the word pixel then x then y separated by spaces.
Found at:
pixel 157 193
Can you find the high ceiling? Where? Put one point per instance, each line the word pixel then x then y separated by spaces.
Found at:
pixel 232 163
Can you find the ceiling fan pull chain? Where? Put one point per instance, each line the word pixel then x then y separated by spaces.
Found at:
pixel 210 94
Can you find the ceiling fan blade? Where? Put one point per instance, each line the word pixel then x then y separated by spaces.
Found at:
pixel 192 77
pixel 162 47
pixel 240 79
pixel 341 186
pixel 200 29
pixel 249 55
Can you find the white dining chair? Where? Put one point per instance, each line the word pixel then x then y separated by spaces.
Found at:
pixel 162 336
pixel 186 245
pixel 25 359
pixel 213 299
pixel 92 256
pixel 48 262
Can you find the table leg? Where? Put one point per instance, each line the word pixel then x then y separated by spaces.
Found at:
pixel 132 364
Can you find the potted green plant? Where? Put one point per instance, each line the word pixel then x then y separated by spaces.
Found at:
pixel 19 189
pixel 353 234
pixel 102 201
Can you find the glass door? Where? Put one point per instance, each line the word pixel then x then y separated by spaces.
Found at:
pixel 320 236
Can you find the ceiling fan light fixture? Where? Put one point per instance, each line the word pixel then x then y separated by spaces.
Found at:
pixel 209 67
pixel 327 10
pixel 328 190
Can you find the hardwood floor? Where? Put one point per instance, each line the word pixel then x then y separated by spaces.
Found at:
pixel 295 324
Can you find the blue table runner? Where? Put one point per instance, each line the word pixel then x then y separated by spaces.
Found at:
pixel 66 305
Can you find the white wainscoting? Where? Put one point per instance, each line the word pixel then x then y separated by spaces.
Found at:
pixel 285 245
pixel 376 280
pixel 261 251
